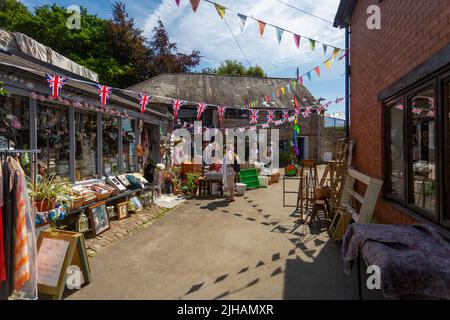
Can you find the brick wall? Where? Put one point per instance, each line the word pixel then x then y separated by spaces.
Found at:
pixel 411 32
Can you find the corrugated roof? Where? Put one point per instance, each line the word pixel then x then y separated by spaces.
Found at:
pixel 233 91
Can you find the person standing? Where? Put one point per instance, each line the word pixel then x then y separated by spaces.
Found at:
pixel 228 172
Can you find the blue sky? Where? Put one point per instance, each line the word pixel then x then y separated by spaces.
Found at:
pixel 206 32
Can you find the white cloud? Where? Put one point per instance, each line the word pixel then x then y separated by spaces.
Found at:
pixel 206 32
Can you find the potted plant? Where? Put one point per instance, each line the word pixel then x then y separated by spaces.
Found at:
pixel 48 191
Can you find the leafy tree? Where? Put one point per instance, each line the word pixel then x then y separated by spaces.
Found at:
pixel 165 58
pixel 234 67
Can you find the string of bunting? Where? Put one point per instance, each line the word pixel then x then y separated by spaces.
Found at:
pixel 242 18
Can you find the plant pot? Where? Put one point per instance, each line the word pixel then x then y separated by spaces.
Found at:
pixel 45 205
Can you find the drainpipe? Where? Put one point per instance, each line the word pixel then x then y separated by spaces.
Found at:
pixel 347 82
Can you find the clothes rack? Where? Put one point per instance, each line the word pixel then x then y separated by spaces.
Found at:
pixel 33 152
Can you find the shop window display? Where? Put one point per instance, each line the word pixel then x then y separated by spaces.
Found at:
pixel 128 145
pixel 110 144
pixel 397 166
pixel 53 139
pixel 86 146
pixel 14 122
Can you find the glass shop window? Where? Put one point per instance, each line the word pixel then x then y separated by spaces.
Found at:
pixel 110 144
pixel 85 146
pixel 53 139
pixel 128 145
pixel 396 150
pixel 14 122
pixel 422 150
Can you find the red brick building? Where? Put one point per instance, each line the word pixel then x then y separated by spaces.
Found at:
pixel 399 95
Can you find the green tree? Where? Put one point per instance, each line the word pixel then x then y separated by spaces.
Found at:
pixel 234 67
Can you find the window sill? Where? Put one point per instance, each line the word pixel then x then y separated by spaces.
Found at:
pixel 417 217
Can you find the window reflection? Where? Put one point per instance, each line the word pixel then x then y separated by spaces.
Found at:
pixel 128 142
pixel 86 146
pixel 53 138
pixel 423 150
pixel 110 144
pixel 397 186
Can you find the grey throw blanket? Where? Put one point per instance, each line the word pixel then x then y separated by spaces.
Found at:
pixel 414 259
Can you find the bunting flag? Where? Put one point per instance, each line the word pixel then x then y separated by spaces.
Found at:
pixel 294 84
pixel 325 48
pixel 308 74
pixel 270 116
pixel 104 92
pixel 282 90
pixel 220 10
pixel 144 99
pixel 297 40
pixel 295 103
pixel 265 126
pixel 221 112
pixel 328 64
pixel 279 34
pixel 312 44
pixel 176 105
pixel 178 2
pixel 417 111
pixel 254 116
pixel 242 20
pixel 290 119
pixel 261 26
pixel 344 55
pixel 307 112
pixel 285 116
pixel 317 70
pixel 194 4
pixel 300 80
pixel 55 83
pixel 296 111
pixel 335 53
pixel 273 95
pixel 339 100
pixel 200 109
pixel 321 109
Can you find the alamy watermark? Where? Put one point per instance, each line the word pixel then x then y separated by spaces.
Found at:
pixel 374 19
pixel 374 280
pixel 255 142
pixel 74 20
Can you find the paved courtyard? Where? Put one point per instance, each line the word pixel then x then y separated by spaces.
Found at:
pixel 209 249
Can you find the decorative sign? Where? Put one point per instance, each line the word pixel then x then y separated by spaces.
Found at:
pixel 51 255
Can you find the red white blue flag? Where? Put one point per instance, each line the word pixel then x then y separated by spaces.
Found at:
pixel 176 105
pixel 221 111
pixel 201 107
pixel 255 116
pixel 321 109
pixel 144 99
pixel 55 83
pixel 265 126
pixel 103 92
pixel 307 112
pixel 270 116
pixel 285 116
pixel 339 100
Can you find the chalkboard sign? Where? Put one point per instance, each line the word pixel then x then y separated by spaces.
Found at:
pixel 61 254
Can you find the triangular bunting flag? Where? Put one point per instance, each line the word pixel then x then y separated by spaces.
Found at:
pixel 325 47
pixel 220 10
pixel 294 84
pixel 144 99
pixel 282 90
pixel 297 40
pixel 317 70
pixel 194 4
pixel 336 52
pixel 242 20
pixel 328 64
pixel 308 74
pixel 261 26
pixel 279 34
pixel 312 44
pixel 178 2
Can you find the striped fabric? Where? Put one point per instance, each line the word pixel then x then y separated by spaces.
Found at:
pixel 21 264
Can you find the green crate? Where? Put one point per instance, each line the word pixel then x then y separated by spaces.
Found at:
pixel 250 178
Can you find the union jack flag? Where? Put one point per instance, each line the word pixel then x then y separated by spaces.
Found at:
pixel 255 116
pixel 221 111
pixel 285 116
pixel 56 83
pixel 176 105
pixel 270 116
pixel 417 111
pixel 103 92
pixel 320 109
pixel 200 109
pixel 265 126
pixel 291 119
pixel 144 99
pixel 307 112
pixel 339 100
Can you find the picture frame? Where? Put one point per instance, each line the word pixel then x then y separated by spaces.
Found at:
pixel 122 211
pixel 137 203
pixel 99 218
pixel 124 180
pixel 113 181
